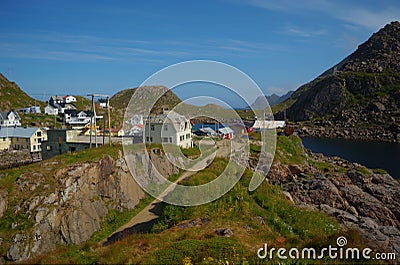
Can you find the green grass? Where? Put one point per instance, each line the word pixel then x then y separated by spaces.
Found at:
pixel 289 150
pixel 192 153
pixel 379 171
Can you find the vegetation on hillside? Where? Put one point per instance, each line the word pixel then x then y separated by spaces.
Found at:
pixel 13 97
pixel 188 234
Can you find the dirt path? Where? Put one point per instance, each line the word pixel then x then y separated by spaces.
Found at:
pixel 145 219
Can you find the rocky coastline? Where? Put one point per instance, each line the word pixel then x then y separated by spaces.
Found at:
pixel 359 198
pixel 333 130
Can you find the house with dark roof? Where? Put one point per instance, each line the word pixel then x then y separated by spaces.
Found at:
pixel 78 117
pixel 9 119
pixel 169 128
pixel 62 103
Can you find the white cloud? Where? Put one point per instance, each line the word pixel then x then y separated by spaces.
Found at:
pixel 306 33
pixel 361 14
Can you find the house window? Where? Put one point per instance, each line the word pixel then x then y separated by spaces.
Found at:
pixel 188 136
pixel 27 140
pixel 4 139
pixel 165 139
pixel 147 138
pixel 34 147
pixel 170 139
pixel 152 127
pixel 165 127
pixel 39 134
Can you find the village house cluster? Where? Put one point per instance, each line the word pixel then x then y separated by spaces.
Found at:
pixel 80 129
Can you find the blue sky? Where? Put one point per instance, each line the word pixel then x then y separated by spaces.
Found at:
pixel 80 47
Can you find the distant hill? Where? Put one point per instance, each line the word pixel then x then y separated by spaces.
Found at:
pixel 272 100
pixel 12 97
pixel 362 91
pixel 120 101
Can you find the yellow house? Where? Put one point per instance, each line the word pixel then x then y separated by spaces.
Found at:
pixel 21 138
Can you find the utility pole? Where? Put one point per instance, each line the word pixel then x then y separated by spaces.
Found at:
pixel 109 120
pixel 91 121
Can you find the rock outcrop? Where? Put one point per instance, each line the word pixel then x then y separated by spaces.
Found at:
pixel 359 97
pixel 368 202
pixel 71 207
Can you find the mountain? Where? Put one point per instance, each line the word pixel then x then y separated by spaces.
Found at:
pixel 273 99
pixel 12 97
pixel 361 94
pixel 119 102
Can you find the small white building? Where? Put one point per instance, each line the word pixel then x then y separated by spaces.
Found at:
pixel 9 119
pixel 31 109
pixel 260 125
pixel 169 128
pixel 50 110
pixel 225 133
pixel 69 99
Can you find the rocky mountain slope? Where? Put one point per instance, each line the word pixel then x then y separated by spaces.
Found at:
pixel 13 97
pixel 360 96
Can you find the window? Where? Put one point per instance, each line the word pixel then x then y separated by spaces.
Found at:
pixel 34 147
pixel 152 127
pixel 4 139
pixel 147 138
pixel 170 139
pixel 39 134
pixel 165 127
pixel 188 136
pixel 165 139
pixel 27 140
pixel 48 148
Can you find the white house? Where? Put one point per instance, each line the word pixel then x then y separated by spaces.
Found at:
pixel 102 102
pixel 62 103
pixel 50 110
pixel 73 117
pixel 69 99
pixel 9 119
pixel 169 128
pixel 137 125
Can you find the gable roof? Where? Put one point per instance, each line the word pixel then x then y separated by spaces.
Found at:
pixel 4 115
pixel 225 130
pixel 20 132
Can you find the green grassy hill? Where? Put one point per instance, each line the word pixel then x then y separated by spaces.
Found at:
pixel 12 97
